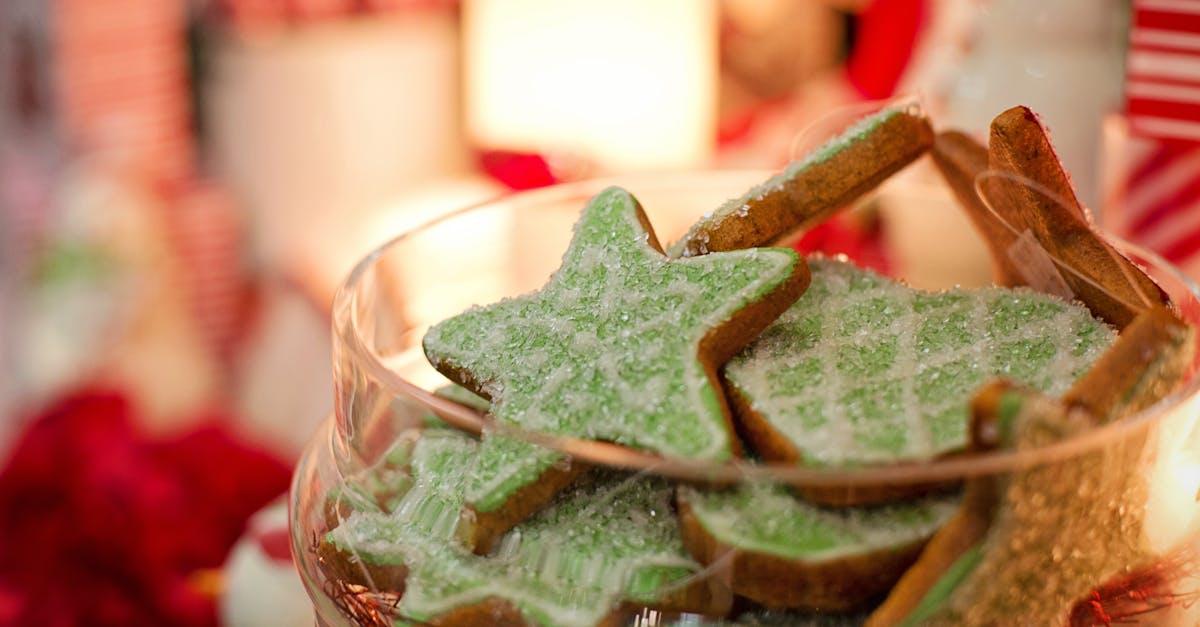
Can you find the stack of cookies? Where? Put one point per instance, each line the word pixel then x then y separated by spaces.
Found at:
pixel 729 350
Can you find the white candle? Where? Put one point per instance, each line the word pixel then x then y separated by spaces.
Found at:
pixel 627 84
pixel 316 127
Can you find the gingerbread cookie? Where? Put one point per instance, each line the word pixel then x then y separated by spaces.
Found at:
pixel 864 370
pixel 1048 235
pixel 961 160
pixel 782 552
pixel 611 539
pixel 377 488
pixel 987 565
pixel 1003 577
pixel 512 479
pixel 811 189
pixel 622 344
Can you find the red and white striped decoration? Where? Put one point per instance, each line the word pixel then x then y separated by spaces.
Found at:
pixel 1163 85
pixel 122 82
pixel 206 231
pixel 1161 204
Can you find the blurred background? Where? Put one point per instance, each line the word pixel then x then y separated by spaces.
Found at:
pixel 183 185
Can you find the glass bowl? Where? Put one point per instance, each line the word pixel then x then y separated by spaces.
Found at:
pixel 385 402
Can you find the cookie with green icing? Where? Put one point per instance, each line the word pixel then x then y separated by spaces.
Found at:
pixel 622 344
pixel 811 189
pixel 460 395
pixel 755 616
pixel 610 540
pixel 378 487
pixel 784 552
pixel 863 370
pixel 987 565
pixel 1002 576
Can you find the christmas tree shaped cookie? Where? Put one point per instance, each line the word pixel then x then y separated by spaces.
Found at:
pixel 622 345
pixel 1080 518
pixel 864 370
pixel 610 539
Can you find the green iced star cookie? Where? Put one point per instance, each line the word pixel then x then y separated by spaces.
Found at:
pixel 620 345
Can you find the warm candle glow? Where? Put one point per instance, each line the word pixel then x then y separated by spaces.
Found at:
pixel 628 84
pixel 323 266
pixel 1173 504
pixel 479 274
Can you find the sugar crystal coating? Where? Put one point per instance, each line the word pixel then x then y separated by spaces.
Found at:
pixel 766 518
pixel 612 537
pixel 740 205
pixel 608 349
pixel 863 369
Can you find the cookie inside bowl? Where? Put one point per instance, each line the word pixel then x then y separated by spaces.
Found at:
pixel 711 575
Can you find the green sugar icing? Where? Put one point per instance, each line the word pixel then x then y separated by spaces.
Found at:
pixel 863 369
pixel 607 349
pixel 506 463
pixel 767 518
pixel 460 395
pixel 740 205
pixel 611 537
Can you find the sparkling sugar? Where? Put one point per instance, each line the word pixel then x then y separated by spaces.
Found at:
pixel 864 370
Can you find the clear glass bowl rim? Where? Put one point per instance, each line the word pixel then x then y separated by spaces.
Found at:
pixel 603 453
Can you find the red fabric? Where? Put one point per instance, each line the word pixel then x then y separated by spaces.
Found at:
pixel 101 526
pixel 887 35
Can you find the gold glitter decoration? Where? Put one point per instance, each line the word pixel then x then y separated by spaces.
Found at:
pixel 1062 529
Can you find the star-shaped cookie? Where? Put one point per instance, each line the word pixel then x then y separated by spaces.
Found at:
pixel 622 345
